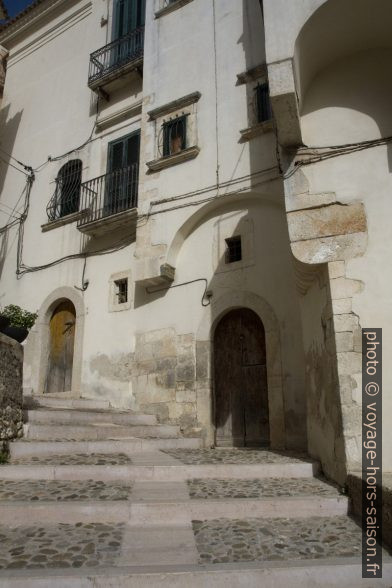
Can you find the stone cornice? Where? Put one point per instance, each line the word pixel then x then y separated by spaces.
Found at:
pixel 30 17
pixel 174 105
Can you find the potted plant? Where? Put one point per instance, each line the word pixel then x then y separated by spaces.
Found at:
pixel 19 322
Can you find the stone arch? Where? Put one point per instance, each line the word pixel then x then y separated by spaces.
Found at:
pixel 226 204
pixel 37 346
pixel 204 360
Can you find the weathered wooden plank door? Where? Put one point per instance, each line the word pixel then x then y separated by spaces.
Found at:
pixel 241 392
pixel 61 348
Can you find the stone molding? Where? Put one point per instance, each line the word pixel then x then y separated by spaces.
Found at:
pixel 171 7
pixel 253 74
pixel 174 105
pixel 65 220
pixel 114 118
pixel 256 130
pixel 164 162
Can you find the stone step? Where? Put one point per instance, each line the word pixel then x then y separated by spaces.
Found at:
pixel 97 431
pixel 301 574
pixel 81 417
pixel 59 401
pixel 220 553
pixel 23 448
pixel 160 513
pixel 153 472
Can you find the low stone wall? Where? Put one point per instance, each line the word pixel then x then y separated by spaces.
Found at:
pixel 354 484
pixel 11 396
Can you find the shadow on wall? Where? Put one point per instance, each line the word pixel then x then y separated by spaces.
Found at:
pixel 8 129
pixel 343 72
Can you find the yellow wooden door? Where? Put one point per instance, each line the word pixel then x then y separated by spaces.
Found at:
pixel 61 348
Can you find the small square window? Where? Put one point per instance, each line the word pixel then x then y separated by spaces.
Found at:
pixel 263 104
pixel 174 136
pixel 121 290
pixel 233 249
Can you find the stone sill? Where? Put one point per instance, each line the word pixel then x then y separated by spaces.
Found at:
pixel 171 7
pixel 174 105
pixel 164 162
pixel 64 220
pixel 257 130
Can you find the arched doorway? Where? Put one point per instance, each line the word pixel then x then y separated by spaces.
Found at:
pixel 61 348
pixel 240 372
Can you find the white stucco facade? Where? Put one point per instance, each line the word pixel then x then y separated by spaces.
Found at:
pixel 202 60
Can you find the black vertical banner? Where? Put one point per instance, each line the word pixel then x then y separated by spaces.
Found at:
pixel 371 453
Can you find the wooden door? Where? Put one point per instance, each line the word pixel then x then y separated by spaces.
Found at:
pixel 61 348
pixel 241 392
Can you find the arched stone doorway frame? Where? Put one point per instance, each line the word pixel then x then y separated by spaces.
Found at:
pixel 37 346
pixel 205 360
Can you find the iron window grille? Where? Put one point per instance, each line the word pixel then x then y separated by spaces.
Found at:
pixel 233 249
pixel 66 197
pixel 121 290
pixel 263 104
pixel 173 136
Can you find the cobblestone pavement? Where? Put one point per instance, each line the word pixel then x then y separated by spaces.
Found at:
pixel 268 488
pixel 76 459
pixel 62 490
pixel 60 546
pixel 233 456
pixel 228 541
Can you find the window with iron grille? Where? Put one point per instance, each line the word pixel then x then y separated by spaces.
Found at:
pixel 66 198
pixel 263 104
pixel 174 136
pixel 233 249
pixel 121 290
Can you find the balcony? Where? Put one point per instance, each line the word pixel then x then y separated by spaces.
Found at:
pixel 118 58
pixel 109 201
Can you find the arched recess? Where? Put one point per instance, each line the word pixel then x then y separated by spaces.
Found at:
pixel 230 203
pixel 37 346
pixel 204 361
pixel 336 30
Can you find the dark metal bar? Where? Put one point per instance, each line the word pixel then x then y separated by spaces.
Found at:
pixel 116 54
pixel 109 194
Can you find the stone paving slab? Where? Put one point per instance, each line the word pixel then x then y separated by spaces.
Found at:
pixel 75 459
pixel 230 541
pixel 62 490
pixel 234 456
pixel 60 546
pixel 267 488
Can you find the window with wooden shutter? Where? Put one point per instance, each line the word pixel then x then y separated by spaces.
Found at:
pixel 123 173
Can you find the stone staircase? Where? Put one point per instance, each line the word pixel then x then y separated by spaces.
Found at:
pixel 114 499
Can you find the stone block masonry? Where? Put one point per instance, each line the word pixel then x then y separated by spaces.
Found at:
pixel 11 369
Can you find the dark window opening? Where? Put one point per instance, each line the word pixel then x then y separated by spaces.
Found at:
pixel 121 290
pixel 128 16
pixel 67 195
pixel 122 179
pixel 174 136
pixel 233 249
pixel 263 104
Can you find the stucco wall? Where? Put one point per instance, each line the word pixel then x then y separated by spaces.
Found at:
pixel 11 365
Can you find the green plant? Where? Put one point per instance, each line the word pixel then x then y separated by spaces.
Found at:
pixel 3 457
pixel 19 317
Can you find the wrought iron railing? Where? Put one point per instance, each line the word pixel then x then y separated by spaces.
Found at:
pixel 109 194
pixel 65 199
pixel 116 54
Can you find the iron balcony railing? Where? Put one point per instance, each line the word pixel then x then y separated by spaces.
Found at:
pixel 116 55
pixel 109 194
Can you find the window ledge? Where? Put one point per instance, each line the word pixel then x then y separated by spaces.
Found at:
pixel 257 130
pixel 171 7
pixel 64 220
pixel 119 116
pixel 169 160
